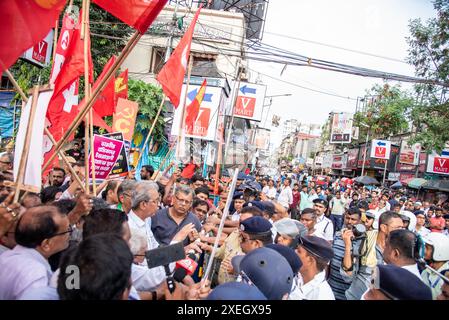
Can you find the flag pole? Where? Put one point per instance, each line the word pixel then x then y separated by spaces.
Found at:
pixel 87 119
pixel 26 145
pixel 154 176
pixel 151 129
pixel 90 102
pixel 47 132
pixel 181 132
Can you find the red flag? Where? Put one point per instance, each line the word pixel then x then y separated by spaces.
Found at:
pixel 73 66
pixel 138 14
pixel 121 85
pixel 172 74
pixel 24 23
pixel 193 109
pixel 105 103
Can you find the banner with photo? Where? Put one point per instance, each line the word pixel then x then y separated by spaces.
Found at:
pixel 341 128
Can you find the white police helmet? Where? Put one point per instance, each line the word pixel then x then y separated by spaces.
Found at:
pixel 440 244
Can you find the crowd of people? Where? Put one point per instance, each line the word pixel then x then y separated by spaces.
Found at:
pixel 286 239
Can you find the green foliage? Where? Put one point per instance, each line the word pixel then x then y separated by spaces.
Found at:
pixel 387 115
pixel 148 97
pixel 429 53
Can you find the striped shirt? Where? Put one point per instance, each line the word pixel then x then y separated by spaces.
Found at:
pixel 338 285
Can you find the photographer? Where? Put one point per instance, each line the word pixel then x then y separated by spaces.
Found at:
pixel 352 217
pixel 362 256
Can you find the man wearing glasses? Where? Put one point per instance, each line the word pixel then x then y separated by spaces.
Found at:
pixel 166 223
pixel 41 232
pixel 363 252
pixel 6 162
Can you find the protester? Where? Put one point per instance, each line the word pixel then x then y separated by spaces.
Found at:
pixel 357 269
pixel 402 250
pixel 285 197
pixel 104 265
pixel 309 219
pixel 338 284
pixel 337 208
pixel 287 230
pixel 324 225
pixel 40 233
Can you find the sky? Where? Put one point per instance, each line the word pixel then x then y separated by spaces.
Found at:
pixel 377 27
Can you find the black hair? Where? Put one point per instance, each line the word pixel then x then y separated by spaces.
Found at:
pixel 59 169
pixel 161 189
pixel 112 185
pixel 48 194
pixel 354 210
pixel 204 190
pixel 41 226
pixel 396 206
pixel 149 168
pixel 309 211
pixel 387 216
pixel 289 180
pixel 104 264
pixel 405 242
pixel 195 178
pixel 64 205
pixel 198 202
pixel 265 237
pixel 104 221
pixel 252 210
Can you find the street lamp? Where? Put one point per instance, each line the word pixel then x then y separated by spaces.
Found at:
pixel 271 101
pixel 366 145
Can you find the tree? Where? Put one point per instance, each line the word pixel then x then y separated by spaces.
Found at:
pixel 148 97
pixel 387 115
pixel 429 53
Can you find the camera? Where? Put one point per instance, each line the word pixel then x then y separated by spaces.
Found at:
pixel 359 231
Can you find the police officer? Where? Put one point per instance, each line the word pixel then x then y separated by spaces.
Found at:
pixel 390 282
pixel 315 254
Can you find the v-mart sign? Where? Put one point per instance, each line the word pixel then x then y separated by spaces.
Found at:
pixel 249 101
pixel 438 164
pixel 380 149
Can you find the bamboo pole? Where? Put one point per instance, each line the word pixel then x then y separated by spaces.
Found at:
pixel 47 132
pixel 92 156
pixel 183 115
pixel 151 129
pixel 90 102
pixel 55 39
pixel 26 145
pixel 87 119
pixel 163 162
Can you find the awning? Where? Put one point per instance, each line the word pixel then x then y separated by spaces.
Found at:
pixel 441 185
pixel 415 183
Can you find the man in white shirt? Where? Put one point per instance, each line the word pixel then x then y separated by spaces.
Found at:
pixel 41 232
pixel 401 250
pixel 315 254
pixel 323 224
pixel 270 190
pixel 337 208
pixel 286 196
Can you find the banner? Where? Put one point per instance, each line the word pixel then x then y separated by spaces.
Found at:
pixel 337 161
pixel 121 167
pixel 352 159
pixel 409 154
pixel 40 53
pixel 249 101
pixel 124 118
pixel 341 130
pixel 106 152
pixel 437 163
pixel 205 125
pixel 380 149
pixel 33 171
pixel 327 161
